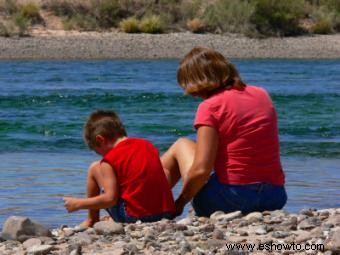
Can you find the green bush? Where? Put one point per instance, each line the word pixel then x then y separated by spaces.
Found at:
pixel 331 10
pixel 151 24
pixel 229 16
pixel 190 9
pixel 107 12
pixel 3 30
pixel 67 8
pixel 8 7
pixel 80 22
pixel 130 25
pixel 31 12
pixel 274 17
pixel 322 27
pixel 22 23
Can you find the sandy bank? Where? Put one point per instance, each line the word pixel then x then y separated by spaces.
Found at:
pixel 93 45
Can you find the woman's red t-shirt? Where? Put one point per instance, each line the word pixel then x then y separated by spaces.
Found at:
pixel 142 182
pixel 248 148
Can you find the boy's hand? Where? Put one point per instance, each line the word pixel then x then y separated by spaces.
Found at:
pixel 71 204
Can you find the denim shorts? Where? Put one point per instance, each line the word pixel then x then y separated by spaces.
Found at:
pixel 118 214
pixel 216 196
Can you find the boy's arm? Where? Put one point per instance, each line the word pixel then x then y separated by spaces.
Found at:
pixel 105 200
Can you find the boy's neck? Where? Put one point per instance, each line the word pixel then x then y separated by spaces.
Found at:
pixel 120 139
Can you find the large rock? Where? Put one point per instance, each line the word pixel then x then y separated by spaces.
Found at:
pixel 108 227
pixel 16 226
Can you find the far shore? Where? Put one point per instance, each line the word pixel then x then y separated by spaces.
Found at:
pixel 57 44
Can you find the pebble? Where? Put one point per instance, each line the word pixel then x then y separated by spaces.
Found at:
pixel 31 242
pixel 39 249
pixel 254 217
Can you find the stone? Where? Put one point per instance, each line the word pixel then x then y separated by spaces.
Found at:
pixel 15 226
pixel 261 230
pixel 39 249
pixel 207 228
pixel 185 247
pixel 280 234
pixel 108 227
pixel 68 231
pixel 31 242
pixel 179 227
pixel 333 241
pixel 302 236
pixel 216 215
pixel 186 221
pixel 333 220
pixel 254 217
pixel 309 223
pixel 308 212
pixel 228 217
pixel 79 228
pixel 188 233
pixel 74 249
pixel 90 231
pixel 218 234
pixel 80 239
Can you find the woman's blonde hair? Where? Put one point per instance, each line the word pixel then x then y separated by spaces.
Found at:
pixel 204 71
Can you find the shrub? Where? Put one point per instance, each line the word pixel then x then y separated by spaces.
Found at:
pixel 195 25
pixel 22 23
pixel 81 22
pixel 151 24
pixel 322 27
pixel 272 17
pixel 190 9
pixel 107 12
pixel 67 8
pixel 31 12
pixel 229 16
pixel 8 7
pixel 130 25
pixel 3 30
pixel 331 10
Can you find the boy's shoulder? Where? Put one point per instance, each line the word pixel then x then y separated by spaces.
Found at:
pixel 137 141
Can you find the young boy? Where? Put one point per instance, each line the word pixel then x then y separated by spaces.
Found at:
pixel 129 181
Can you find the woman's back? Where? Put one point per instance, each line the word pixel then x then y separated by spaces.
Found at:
pixel 248 150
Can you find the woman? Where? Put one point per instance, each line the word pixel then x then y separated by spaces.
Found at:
pixel 235 163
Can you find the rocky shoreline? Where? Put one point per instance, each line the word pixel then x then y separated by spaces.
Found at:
pixel 117 45
pixel 308 232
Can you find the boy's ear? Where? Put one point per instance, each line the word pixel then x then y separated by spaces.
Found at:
pixel 100 139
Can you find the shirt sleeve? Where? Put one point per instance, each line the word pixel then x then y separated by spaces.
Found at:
pixel 205 116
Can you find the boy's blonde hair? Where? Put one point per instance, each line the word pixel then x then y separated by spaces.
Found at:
pixel 105 123
pixel 204 71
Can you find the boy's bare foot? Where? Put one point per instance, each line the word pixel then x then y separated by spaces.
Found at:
pixel 88 223
pixel 106 218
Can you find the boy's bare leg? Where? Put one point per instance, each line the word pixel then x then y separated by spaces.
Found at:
pixel 178 159
pixel 93 190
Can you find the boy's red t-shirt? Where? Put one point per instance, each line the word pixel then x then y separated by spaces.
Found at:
pixel 142 182
pixel 248 148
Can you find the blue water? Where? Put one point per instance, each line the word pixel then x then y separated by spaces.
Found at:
pixel 43 106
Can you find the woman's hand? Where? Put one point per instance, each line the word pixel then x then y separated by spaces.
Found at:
pixel 71 204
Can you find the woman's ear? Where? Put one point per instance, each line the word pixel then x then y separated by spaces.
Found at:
pixel 100 139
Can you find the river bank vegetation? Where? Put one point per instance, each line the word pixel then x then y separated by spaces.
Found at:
pixel 253 18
